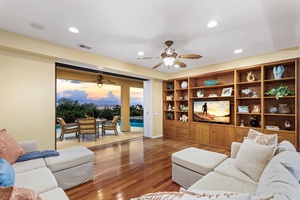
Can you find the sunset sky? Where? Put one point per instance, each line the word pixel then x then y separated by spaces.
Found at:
pixel 86 92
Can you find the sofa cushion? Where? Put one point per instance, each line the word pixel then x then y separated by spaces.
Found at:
pixel 28 165
pixel 7 173
pixel 57 194
pixel 24 193
pixel 228 168
pixel 263 139
pixel 39 180
pixel 285 146
pixel 252 158
pixel 277 181
pixel 291 161
pixel 216 181
pixel 69 158
pixel 198 160
pixel 10 150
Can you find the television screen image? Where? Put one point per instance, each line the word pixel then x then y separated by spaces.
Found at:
pixel 212 111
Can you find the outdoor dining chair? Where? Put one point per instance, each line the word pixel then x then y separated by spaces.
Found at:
pixel 87 127
pixel 112 126
pixel 66 129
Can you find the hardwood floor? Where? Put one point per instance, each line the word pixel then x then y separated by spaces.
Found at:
pixel 129 169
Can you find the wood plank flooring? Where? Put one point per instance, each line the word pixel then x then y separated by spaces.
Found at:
pixel 128 169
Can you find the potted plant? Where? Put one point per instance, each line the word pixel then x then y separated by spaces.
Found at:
pixel 170 115
pixel 280 92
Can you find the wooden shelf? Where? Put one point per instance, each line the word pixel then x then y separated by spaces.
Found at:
pixel 258 79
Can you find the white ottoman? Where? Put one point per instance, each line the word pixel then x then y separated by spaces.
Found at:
pixel 191 164
pixel 72 167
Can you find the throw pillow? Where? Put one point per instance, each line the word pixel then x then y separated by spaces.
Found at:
pixel 7 174
pixel 252 158
pixel 5 192
pixel 24 193
pixel 10 150
pixel 263 139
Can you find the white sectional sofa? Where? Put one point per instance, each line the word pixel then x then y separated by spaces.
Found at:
pixel 252 172
pixel 48 177
pixel 280 179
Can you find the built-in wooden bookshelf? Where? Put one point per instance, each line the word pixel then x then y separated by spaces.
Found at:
pixel 258 79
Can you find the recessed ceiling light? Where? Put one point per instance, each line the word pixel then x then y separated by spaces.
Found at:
pixel 238 51
pixel 141 53
pixel 36 26
pixel 73 30
pixel 212 24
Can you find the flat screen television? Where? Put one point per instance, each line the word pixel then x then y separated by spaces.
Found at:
pixel 212 111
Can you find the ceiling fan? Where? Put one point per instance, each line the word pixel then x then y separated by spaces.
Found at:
pixel 101 80
pixel 169 57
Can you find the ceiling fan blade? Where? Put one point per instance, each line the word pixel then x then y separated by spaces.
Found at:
pixel 181 64
pixel 191 56
pixel 159 64
pixel 149 58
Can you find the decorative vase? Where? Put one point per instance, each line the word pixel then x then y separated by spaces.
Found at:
pixel 184 84
pixel 278 72
pixel 284 109
pixel 254 122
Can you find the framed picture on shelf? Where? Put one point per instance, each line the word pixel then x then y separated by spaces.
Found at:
pixel 255 108
pixel 243 109
pixel 226 92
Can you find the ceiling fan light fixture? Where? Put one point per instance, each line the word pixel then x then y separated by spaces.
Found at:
pixel 99 84
pixel 168 61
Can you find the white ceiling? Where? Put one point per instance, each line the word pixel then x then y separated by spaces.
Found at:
pixel 119 29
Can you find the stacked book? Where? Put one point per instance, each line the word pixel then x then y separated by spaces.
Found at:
pixel 272 127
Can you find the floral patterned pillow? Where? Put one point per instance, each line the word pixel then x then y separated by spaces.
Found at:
pixel 263 139
pixel 10 150
pixel 24 193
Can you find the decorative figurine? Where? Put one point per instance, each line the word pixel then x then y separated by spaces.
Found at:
pixel 250 77
pixel 242 123
pixel 183 118
pixel 287 125
pixel 278 72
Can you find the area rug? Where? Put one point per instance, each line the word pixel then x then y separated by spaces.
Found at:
pixel 89 140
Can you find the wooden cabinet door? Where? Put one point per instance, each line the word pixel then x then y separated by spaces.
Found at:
pixel 202 133
pixel 182 130
pixel 169 129
pixel 221 136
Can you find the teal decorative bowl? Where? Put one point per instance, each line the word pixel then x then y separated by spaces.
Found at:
pixel 210 82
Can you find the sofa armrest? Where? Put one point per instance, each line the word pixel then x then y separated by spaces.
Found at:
pixel 30 145
pixel 235 147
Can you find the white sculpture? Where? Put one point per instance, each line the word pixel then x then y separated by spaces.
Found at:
pixel 278 72
pixel 183 118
